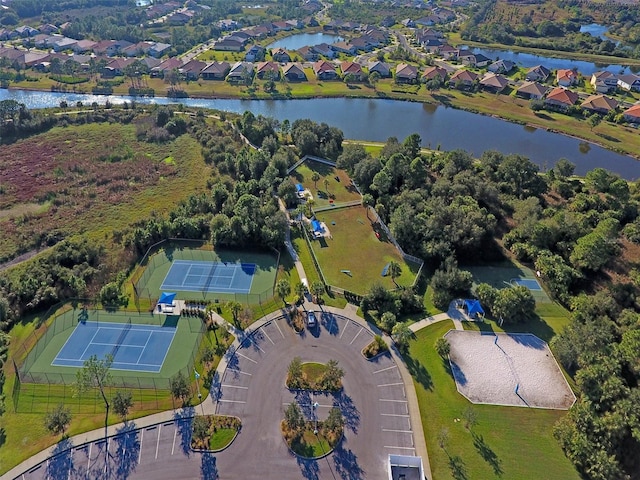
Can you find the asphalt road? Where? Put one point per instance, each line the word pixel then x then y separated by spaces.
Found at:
pixel 252 387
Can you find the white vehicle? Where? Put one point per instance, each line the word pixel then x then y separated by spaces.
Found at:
pixel 311 320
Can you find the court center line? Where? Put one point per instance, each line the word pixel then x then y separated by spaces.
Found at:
pixel 385 369
pixel 278 327
pixel 244 356
pixel 89 344
pixel 143 349
pixel 158 441
pixel 354 338
pixel 238 371
pixel 390 384
pixel 233 277
pixel 141 439
pixel 265 333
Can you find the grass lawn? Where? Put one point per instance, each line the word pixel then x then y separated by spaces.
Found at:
pixel 334 184
pixel 355 247
pixel 506 442
pixel 311 445
pixel 221 438
pixel 313 371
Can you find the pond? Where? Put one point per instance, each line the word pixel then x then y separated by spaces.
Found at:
pixel 530 60
pixel 378 119
pixel 595 30
pixel 294 42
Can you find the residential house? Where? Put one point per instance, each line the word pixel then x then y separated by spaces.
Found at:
pixel 350 26
pixel 180 18
pixel 352 68
pixel 406 73
pixel 465 78
pixel 269 70
pixel 310 21
pixel 63 44
pixel 173 63
pixel 561 98
pixel 227 24
pixel 324 50
pixel 150 62
pixel 191 70
pixel 241 35
pixel 388 21
pixel 294 72
pixel 407 22
pixel 308 54
pixel 215 71
pixel 538 73
pixel 34 58
pixel 432 45
pixel 324 70
pixel 48 29
pixel 363 43
pixel 4 34
pixel 532 90
pixel 566 77
pixel 295 23
pixel 106 47
pixel 334 25
pixel 281 55
pixel 494 82
pixel 632 114
pixel 158 49
pixel 229 44
pixel 83 46
pixel 240 71
pixel 383 68
pixel 629 82
pixel 604 81
pixel 434 72
pixel 448 52
pixel 26 31
pixel 501 66
pixel 343 47
pixel 475 60
pixel 116 67
pixel 282 26
pixel 255 54
pixel 13 55
pixel 599 104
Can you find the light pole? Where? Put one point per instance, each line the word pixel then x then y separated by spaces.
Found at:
pixel 197 375
pixel 315 417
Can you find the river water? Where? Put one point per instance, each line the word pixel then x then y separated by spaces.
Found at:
pixel 378 119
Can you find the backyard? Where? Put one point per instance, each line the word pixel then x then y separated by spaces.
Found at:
pixel 333 184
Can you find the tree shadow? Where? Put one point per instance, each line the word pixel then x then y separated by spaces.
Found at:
pixel 458 467
pixel 329 322
pixel 208 467
pixel 216 386
pixel 346 463
pixel 349 410
pixel 418 372
pixel 487 453
pixel 184 423
pixel 309 468
pixel 60 465
pixel 127 443
pixel 3 436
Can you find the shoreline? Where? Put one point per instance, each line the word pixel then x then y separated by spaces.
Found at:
pixel 398 97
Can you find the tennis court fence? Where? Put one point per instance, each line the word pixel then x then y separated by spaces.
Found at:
pixel 38 391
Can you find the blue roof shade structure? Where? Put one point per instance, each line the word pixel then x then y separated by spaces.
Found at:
pixel 473 307
pixel 167 298
pixel 299 187
pixel 317 227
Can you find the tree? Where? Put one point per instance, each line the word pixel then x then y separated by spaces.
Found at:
pixel 411 145
pixel 58 419
pixel 564 168
pixel 594 120
pixel 387 321
pixel 294 373
pixel 180 388
pixel 200 429
pixel 367 202
pixel 332 377
pixel 95 374
pixel 315 177
pixel 374 77
pixel 514 305
pixel 394 271
pixel 443 438
pixel 293 417
pixel 401 334
pixel 122 402
pixel 235 308
pixel 470 417
pixel 443 347
pixel 326 185
pixel 283 289
pixel 334 421
pixel 300 291
pixel 317 290
pixel 112 297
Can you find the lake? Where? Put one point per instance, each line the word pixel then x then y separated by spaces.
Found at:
pixel 294 42
pixel 530 60
pixel 378 119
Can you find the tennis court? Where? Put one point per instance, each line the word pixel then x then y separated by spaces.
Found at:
pixel 140 348
pixel 194 276
pixel 531 283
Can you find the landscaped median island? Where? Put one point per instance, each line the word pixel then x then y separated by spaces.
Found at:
pixel 214 432
pixel 375 348
pixel 314 376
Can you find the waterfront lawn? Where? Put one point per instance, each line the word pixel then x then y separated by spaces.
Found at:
pixel 354 247
pixel 337 188
pixel 506 442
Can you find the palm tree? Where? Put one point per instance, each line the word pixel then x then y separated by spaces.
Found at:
pixel 235 308
pixel 317 289
pixel 326 186
pixel 401 334
pixel 300 290
pixel 283 288
pixel 315 177
pixel 367 201
pixel 394 271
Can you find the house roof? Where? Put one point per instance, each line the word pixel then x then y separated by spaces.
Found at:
pixel 464 76
pixel 602 75
pixel 566 75
pixel 533 88
pixel 600 102
pixel 629 79
pixel 540 70
pixel 193 66
pixel 323 66
pixel 379 66
pixel 633 112
pixel 432 72
pixel 342 45
pixel 351 67
pixel 294 68
pixel 504 64
pixel 265 67
pixel 406 70
pixel 240 67
pixel 169 64
pixel 217 67
pixel 562 95
pixel 494 80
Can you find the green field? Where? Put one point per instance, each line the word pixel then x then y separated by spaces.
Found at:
pixel 338 187
pixel 159 263
pixel 353 246
pixel 506 442
pixel 500 276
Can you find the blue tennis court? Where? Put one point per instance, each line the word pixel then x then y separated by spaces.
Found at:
pixel 140 348
pixel 193 276
pixel 531 283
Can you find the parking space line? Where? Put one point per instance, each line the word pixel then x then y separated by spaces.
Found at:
pixel 173 446
pixel 391 384
pixel 394 415
pixel 344 329
pixel 354 338
pixel 106 455
pixel 385 369
pixel 89 459
pixel 256 344
pixel 265 334
pixel 278 327
pixel 235 386
pixel 141 439
pixel 390 400
pixel 400 448
pixel 158 441
pixel 231 401
pixel 238 371
pixel 244 356
pixel 396 431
